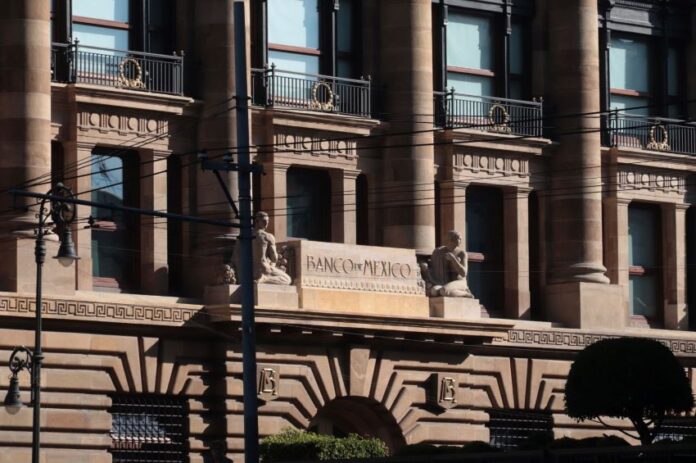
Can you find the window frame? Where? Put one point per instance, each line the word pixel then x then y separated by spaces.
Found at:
pixel 503 14
pixel 655 270
pixel 129 222
pixel 327 53
pixel 108 24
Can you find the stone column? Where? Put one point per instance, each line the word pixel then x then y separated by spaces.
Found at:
pixel 674 264
pixel 578 294
pixel 343 205
pixel 154 269
pixel 616 244
pixel 516 253
pixel 406 65
pixel 25 101
pixel 217 134
pixel 453 209
pixel 25 125
pixel 274 198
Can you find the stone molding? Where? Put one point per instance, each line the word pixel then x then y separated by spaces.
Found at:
pixel 577 340
pixel 490 163
pixel 121 123
pixel 632 178
pixel 352 284
pixel 102 311
pixel 313 145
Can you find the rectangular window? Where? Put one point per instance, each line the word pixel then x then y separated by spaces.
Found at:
pixel 644 260
pixel 293 35
pixel 629 69
pixel 675 75
pixel 346 38
pixel 484 225
pixel 517 73
pixel 309 204
pixel 149 428
pixel 509 428
pixel 102 23
pixel 114 235
pixel 470 54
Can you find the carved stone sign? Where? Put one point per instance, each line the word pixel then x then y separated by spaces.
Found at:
pixel 351 267
pixel 444 390
pixel 268 383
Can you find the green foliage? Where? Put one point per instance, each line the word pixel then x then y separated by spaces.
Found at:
pixel 589 442
pixel 293 445
pixel 626 378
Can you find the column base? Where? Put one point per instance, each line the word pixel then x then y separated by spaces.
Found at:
pixel 455 308
pixel 586 305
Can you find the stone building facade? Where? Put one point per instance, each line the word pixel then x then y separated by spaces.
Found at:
pixel 552 135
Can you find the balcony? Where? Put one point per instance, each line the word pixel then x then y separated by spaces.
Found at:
pixel 311 92
pixel 489 114
pixel 652 133
pixel 131 70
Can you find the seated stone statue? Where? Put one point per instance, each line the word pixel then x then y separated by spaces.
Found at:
pixel 266 258
pixel 445 274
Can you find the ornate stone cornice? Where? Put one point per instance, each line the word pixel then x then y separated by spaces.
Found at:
pixel 634 178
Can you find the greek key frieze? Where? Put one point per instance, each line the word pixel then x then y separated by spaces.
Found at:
pixel 98 310
pixel 579 341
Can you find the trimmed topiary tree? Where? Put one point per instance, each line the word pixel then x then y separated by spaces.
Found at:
pixel 634 378
pixel 292 445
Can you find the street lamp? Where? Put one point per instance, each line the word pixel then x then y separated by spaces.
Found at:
pixel 62 214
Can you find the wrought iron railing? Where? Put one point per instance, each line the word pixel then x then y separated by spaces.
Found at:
pixel 489 114
pixel 132 70
pixel 652 133
pixel 311 92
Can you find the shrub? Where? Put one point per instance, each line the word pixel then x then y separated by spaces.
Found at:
pixel 300 445
pixel 634 378
pixel 415 450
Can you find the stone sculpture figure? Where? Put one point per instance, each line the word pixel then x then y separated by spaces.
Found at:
pixel 266 258
pixel 445 274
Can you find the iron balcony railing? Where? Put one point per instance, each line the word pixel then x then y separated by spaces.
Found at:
pixel 131 70
pixel 311 92
pixel 652 133
pixel 489 114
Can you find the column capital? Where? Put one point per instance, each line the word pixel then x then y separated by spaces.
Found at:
pixel 455 183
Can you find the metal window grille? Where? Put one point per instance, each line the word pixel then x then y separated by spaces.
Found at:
pixel 509 428
pixel 149 428
pixel 677 429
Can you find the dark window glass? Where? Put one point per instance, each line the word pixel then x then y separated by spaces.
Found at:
pixel 149 428
pixel 114 235
pixel 691 264
pixel 309 204
pixel 644 260
pixel 629 70
pixel 362 213
pixel 484 232
pixel 510 428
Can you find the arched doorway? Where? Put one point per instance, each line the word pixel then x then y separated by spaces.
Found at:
pixel 358 415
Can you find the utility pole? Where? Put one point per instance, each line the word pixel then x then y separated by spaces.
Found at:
pixel 244 169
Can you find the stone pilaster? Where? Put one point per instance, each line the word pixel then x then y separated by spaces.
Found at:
pixel 274 198
pixel 616 244
pixel 674 265
pixel 406 64
pixel 154 270
pixel 343 206
pixel 453 209
pixel 79 153
pixel 516 253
